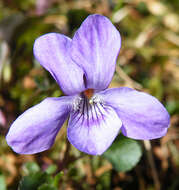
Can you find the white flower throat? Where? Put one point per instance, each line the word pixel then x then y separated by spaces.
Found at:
pixel 86 99
pixel 88 107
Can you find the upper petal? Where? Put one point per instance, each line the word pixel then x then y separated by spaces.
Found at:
pixel 35 130
pixel 95 47
pixel 93 127
pixel 142 115
pixel 52 52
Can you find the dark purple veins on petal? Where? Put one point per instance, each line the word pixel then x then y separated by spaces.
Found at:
pixel 86 112
pixel 92 125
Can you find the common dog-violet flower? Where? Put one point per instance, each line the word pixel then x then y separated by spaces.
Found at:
pixel 83 67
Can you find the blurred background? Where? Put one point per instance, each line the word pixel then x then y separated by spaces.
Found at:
pixel 148 61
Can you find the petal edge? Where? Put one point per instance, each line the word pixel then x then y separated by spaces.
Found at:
pixel 94 129
pixel 95 47
pixel 52 52
pixel 142 115
pixel 35 130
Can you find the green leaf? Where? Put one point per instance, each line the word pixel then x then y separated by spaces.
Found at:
pixel 33 181
pixel 57 178
pixel 2 183
pixel 38 180
pixel 31 167
pixel 124 153
pixel 51 169
pixel 47 187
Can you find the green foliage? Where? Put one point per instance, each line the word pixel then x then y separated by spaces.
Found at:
pixel 124 153
pixel 57 179
pixel 47 187
pixel 33 181
pixel 2 183
pixel 76 17
pixel 142 8
pixel 104 181
pixel 173 107
pixel 28 31
pixel 41 82
pixel 38 180
pixel 51 169
pixel 31 167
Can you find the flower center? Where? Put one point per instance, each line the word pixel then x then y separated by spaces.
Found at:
pixel 88 93
pixel 88 108
pixel 86 100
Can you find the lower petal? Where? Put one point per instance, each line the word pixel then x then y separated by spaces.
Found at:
pixel 35 130
pixel 93 128
pixel 142 115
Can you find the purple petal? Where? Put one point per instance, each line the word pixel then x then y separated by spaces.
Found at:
pixel 93 127
pixel 52 51
pixel 35 130
pixel 142 115
pixel 95 47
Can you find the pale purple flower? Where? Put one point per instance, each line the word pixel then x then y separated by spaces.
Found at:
pixel 83 67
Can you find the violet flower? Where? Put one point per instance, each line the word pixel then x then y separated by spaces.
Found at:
pixel 83 67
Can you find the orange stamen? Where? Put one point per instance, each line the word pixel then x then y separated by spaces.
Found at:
pixel 88 93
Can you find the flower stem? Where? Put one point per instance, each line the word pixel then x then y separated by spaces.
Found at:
pixel 148 147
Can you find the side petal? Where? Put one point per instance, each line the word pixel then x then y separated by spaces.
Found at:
pixel 95 47
pixel 35 130
pixel 93 128
pixel 142 115
pixel 52 52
